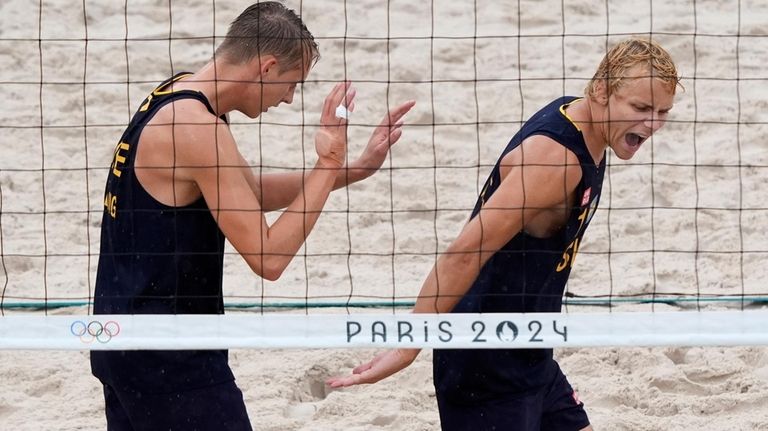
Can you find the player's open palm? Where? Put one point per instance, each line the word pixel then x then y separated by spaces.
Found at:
pixel 383 365
pixel 331 138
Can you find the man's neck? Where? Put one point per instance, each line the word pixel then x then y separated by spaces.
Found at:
pixel 219 83
pixel 587 115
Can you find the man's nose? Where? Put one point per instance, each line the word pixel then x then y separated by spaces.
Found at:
pixel 654 121
pixel 288 98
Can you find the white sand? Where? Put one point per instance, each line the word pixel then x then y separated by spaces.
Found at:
pixel 711 156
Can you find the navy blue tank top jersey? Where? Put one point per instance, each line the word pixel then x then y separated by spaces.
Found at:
pixel 157 259
pixel 526 275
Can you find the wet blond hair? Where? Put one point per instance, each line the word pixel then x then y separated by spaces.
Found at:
pixel 269 28
pixel 614 68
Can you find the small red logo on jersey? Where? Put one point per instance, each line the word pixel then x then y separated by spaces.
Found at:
pixel 585 199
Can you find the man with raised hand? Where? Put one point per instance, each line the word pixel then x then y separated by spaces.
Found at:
pixel 178 186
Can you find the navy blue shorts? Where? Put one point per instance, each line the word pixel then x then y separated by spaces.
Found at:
pixel 217 407
pixel 554 407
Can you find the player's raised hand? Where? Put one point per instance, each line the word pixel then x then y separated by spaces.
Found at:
pixel 382 366
pixel 386 134
pixel 331 138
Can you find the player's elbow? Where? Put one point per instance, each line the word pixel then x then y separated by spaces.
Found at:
pixel 271 275
pixel 273 270
pixel 268 268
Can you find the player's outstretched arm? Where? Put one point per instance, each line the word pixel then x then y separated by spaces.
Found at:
pixel 543 182
pixel 277 190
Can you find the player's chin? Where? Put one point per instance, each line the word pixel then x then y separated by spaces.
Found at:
pixel 253 115
pixel 623 151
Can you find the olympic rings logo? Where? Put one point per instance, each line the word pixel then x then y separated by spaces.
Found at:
pixel 94 330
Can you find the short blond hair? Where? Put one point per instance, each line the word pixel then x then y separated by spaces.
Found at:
pixel 630 53
pixel 269 28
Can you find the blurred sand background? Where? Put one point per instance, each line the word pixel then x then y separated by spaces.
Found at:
pixel 687 215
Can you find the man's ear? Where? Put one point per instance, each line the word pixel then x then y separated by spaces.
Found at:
pixel 266 64
pixel 600 92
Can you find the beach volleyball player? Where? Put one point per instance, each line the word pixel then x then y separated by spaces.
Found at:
pixel 178 186
pixel 517 250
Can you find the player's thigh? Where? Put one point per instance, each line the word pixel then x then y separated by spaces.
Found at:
pixel 563 411
pixel 519 412
pixel 117 416
pixel 217 407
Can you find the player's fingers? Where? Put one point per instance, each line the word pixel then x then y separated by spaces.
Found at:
pixel 351 380
pixel 341 119
pixel 392 117
pixel 342 107
pixel 394 136
pixel 368 377
pixel 334 99
pixel 329 107
pixel 338 382
pixel 349 98
pixel 404 108
pixel 387 140
pixel 397 113
pixel 389 137
pixel 362 368
pixel 342 93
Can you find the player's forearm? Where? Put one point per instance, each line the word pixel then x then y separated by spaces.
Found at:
pixel 277 190
pixel 448 282
pixel 351 174
pixel 288 233
pixel 460 265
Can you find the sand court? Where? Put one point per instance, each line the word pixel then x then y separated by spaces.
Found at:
pixel 685 218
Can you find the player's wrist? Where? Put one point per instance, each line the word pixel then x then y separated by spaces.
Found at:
pixel 408 355
pixel 355 171
pixel 329 165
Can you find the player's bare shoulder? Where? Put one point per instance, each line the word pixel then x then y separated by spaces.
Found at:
pixel 546 174
pixel 186 124
pixel 542 153
pixel 183 133
pixel 181 137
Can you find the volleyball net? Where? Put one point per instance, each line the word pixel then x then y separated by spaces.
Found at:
pixel 675 253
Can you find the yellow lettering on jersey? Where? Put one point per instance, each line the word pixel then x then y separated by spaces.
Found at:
pixel 119 159
pixel 582 218
pixel 569 255
pixel 564 262
pixel 110 204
